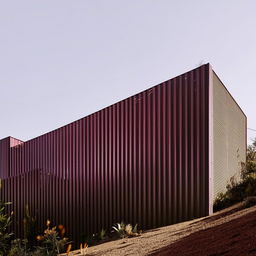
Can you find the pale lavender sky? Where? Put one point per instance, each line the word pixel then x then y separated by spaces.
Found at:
pixel 62 60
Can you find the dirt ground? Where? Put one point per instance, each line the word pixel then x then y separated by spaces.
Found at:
pixel 228 232
pixel 236 237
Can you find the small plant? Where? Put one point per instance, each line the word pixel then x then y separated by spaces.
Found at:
pixel 52 242
pixel 128 229
pixel 102 234
pixel 120 229
pixel 135 229
pixel 124 230
pixel 89 239
pixel 94 239
pixel 83 248
pixel 69 249
pixel 19 248
pixel 5 236
pixel 29 229
pixel 249 201
pixel 131 231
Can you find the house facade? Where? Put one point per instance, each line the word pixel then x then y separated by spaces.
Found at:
pixel 156 158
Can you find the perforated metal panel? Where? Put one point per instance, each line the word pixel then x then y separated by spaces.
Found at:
pixel 229 134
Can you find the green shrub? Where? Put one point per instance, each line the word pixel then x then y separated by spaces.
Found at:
pixel 51 242
pixel 246 187
pixel 120 229
pixel 19 248
pixel 5 236
pixel 250 201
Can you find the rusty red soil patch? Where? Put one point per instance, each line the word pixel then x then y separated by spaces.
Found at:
pixel 234 238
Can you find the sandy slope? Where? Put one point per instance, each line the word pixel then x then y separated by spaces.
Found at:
pixel 234 238
pixel 218 234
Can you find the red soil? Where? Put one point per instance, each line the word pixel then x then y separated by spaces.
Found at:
pixel 233 238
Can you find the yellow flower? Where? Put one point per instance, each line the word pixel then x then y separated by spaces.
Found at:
pixel 39 238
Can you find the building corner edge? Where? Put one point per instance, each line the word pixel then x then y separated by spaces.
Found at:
pixel 210 143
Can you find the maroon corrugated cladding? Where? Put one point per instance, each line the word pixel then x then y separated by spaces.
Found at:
pixel 142 160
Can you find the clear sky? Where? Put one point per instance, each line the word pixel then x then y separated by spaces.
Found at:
pixel 62 60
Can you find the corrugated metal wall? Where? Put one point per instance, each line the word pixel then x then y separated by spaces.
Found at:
pixel 40 191
pixel 143 160
pixel 4 157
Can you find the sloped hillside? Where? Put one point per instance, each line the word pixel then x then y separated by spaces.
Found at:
pixel 235 237
pixel 228 232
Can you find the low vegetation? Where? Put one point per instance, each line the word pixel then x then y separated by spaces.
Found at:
pixel 5 236
pixel 29 226
pixel 53 241
pixel 125 230
pixel 243 189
